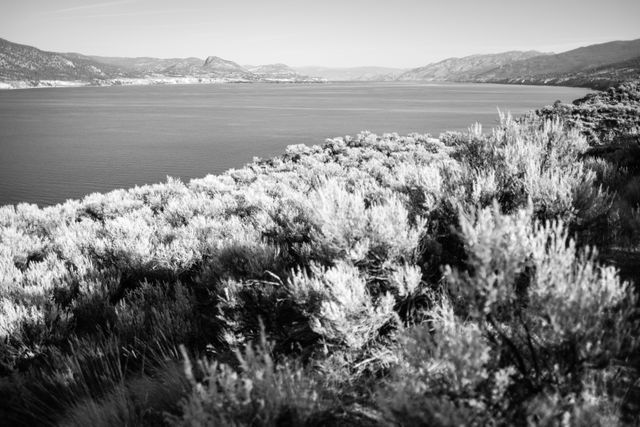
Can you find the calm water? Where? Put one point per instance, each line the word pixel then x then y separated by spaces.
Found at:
pixel 57 144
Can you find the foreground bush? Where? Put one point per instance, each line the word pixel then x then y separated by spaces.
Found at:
pixel 387 280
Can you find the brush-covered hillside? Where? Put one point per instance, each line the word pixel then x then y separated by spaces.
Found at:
pixel 370 281
pixel 609 117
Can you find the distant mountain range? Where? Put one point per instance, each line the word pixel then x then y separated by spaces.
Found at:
pixel 275 70
pixel 25 63
pixel 596 66
pixel 463 69
pixel 26 66
pixel 353 74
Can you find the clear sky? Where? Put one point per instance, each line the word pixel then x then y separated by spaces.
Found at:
pixel 400 33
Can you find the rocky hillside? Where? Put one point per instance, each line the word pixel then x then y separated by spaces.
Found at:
pixel 598 66
pixel 275 71
pixel 467 68
pixel 213 66
pixel 21 62
pixel 584 58
pixel 600 78
pixel 25 66
pixel 146 66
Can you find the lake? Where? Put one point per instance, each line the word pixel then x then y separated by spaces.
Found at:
pixel 57 144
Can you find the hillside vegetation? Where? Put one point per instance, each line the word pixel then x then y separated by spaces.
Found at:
pixel 605 118
pixel 374 280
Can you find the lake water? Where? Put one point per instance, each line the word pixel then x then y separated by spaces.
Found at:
pixel 57 144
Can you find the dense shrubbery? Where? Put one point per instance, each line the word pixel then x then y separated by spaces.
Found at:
pixel 369 281
pixel 604 117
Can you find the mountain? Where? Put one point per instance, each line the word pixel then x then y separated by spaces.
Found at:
pixel 599 78
pixel 283 72
pixel 576 60
pixel 213 66
pixel 597 66
pixel 218 65
pixel 583 63
pixel 352 74
pixel 271 70
pixel 25 66
pixel 461 69
pixel 148 66
pixel 25 63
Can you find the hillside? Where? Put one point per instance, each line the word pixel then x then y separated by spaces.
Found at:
pixel 272 69
pixel 275 71
pixel 145 66
pixel 598 66
pixel 212 66
pixel 464 69
pixel 20 62
pixel 25 66
pixel 600 78
pixel 561 68
pixel 605 118
pixel 370 281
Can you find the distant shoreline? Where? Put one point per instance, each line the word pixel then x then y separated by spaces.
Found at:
pixel 64 84
pixel 160 81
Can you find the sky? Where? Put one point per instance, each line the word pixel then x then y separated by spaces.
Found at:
pixel 335 33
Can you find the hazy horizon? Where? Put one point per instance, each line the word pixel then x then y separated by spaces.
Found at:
pixel 334 33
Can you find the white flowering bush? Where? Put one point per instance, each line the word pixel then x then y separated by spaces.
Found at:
pixel 339 307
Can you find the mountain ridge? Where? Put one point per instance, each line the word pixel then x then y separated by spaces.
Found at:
pixel 572 61
pixel 596 66
pixel 23 66
pixel 455 69
pixel 23 62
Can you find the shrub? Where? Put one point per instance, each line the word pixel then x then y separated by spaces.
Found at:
pixel 555 312
pixel 261 393
pixel 340 308
pixel 400 279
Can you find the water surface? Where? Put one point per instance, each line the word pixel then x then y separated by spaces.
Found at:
pixel 57 144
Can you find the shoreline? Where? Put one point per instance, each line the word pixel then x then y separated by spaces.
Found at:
pixel 543 98
pixel 64 84
pixel 160 81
